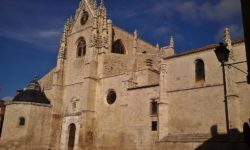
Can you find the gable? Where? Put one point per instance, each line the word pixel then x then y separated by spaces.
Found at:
pixel 84 17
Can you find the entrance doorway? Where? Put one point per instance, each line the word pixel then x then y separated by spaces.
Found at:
pixel 72 131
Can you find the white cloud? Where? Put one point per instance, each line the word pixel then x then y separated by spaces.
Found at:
pixel 163 30
pixel 48 33
pixel 188 10
pixel 8 98
pixel 223 10
pixel 38 37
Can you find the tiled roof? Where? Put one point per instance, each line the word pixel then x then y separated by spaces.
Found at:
pixel 204 48
pixel 32 93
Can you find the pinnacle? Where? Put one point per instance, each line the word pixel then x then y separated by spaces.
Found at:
pixel 135 33
pixel 171 42
pixel 227 33
pixel 102 5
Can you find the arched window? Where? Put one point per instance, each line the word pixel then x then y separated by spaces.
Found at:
pixel 81 47
pixel 21 121
pixel 154 107
pixel 199 70
pixel 71 141
pixel 118 47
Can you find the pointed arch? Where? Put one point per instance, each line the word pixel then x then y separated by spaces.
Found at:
pixel 81 47
pixel 199 70
pixel 118 47
pixel 71 141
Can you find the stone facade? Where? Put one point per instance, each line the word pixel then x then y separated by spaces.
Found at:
pixel 26 126
pixel 111 90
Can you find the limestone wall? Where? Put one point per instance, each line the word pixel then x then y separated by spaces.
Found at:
pixel 126 124
pixel 128 41
pixel 35 134
pixel 117 64
pixel 196 108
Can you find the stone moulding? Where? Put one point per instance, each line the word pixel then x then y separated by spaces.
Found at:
pixel 202 138
pixel 28 103
pixel 143 87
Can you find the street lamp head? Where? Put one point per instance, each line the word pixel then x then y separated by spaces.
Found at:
pixel 222 53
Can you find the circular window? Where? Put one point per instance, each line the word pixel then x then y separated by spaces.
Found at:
pixel 111 97
pixel 85 16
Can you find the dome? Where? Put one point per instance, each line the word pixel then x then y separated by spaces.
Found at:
pixel 32 93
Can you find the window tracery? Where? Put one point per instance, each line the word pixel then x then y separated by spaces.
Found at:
pixel 81 47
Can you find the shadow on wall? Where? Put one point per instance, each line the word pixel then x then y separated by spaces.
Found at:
pixel 234 140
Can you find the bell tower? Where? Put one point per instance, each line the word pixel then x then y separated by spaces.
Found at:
pixel 90 24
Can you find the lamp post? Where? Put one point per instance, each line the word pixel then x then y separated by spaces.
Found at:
pixel 222 54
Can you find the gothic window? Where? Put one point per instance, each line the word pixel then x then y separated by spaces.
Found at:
pixel 21 121
pixel 199 70
pixel 81 47
pixel 118 47
pixel 154 125
pixel 71 140
pixel 154 107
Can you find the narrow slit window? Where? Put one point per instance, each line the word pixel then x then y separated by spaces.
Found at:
pixel 21 121
pixel 154 125
pixel 154 107
pixel 199 70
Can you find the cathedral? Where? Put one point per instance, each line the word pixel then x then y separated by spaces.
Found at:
pixel 111 90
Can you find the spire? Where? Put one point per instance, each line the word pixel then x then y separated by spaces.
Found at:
pixel 102 11
pixel 227 38
pixel 92 3
pixel 157 46
pixel 135 34
pixel 169 50
pixel 35 77
pixel 34 85
pixel 135 42
pixel 80 4
pixel 171 42
pixel 102 3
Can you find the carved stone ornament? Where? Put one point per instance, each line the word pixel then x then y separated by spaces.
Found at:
pixel 164 68
pixel 92 3
pixel 95 41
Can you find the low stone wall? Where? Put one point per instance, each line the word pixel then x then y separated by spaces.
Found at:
pixel 202 142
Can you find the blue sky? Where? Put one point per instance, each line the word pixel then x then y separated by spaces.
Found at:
pixel 30 30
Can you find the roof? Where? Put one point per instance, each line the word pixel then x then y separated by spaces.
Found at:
pixel 204 48
pixel 32 93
